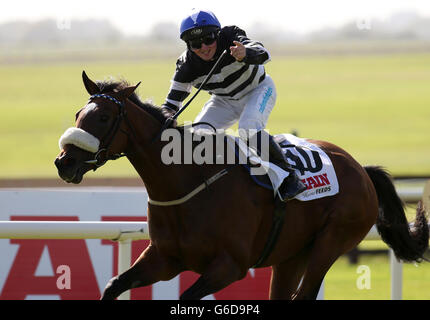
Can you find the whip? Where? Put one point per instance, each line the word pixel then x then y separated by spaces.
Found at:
pixel 176 115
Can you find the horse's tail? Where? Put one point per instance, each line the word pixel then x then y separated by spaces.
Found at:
pixel 408 243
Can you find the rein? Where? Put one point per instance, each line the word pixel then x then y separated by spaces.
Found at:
pixel 187 197
pixel 110 136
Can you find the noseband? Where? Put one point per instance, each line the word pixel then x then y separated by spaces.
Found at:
pixel 108 138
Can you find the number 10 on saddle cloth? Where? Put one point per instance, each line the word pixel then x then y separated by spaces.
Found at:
pixel 312 164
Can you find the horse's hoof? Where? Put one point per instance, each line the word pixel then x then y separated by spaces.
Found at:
pixel 109 292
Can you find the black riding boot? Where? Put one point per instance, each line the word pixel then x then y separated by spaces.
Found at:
pixel 292 185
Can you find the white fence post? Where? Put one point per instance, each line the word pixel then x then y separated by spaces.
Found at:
pixel 396 277
pixel 124 262
pixel 320 295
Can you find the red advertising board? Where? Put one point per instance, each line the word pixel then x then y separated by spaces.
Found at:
pixel 79 269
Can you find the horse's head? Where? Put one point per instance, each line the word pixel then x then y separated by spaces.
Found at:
pixel 100 133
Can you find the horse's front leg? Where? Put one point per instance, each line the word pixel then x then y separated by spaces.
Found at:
pixel 219 274
pixel 149 268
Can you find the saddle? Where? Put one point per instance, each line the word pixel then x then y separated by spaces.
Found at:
pixel 311 163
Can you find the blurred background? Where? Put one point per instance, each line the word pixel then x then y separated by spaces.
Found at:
pixel 355 73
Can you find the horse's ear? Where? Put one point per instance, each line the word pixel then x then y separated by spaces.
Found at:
pixel 126 92
pixel 91 87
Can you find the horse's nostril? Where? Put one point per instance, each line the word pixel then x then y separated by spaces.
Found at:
pixel 68 162
pixel 64 162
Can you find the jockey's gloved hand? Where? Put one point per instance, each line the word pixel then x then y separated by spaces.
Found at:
pixel 168 113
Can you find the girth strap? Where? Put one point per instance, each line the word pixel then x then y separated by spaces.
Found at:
pixel 277 223
pixel 201 187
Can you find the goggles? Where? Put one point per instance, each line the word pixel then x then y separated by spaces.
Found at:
pixel 207 40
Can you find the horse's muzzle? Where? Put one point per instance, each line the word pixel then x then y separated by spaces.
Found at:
pixel 68 168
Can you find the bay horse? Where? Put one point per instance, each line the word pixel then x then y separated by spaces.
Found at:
pixel 218 231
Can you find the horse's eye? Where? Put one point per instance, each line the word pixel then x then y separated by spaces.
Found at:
pixel 104 118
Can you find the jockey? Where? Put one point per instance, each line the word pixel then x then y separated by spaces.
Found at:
pixel 240 90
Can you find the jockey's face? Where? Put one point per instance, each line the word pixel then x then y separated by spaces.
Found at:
pixel 206 52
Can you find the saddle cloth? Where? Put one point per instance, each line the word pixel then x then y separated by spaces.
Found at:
pixel 311 164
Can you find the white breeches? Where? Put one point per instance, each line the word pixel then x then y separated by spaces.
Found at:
pixel 251 111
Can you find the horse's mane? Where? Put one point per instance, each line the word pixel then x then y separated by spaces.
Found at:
pixel 111 85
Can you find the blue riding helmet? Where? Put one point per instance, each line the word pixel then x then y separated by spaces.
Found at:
pixel 198 24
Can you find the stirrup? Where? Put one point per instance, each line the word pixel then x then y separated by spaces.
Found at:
pixel 291 187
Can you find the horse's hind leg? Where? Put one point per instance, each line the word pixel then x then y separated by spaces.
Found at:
pixel 149 268
pixel 322 256
pixel 219 274
pixel 286 276
pixel 335 240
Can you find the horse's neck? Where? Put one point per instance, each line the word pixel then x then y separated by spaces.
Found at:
pixel 144 153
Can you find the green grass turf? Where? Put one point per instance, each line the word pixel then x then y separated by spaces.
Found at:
pixel 341 280
pixel 375 107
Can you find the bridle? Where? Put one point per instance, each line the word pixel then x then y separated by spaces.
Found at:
pixel 107 140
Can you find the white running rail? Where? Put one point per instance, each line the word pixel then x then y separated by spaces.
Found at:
pixel 126 232
pixel 123 232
